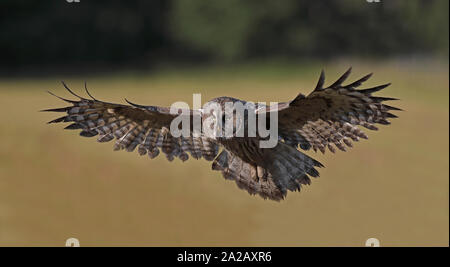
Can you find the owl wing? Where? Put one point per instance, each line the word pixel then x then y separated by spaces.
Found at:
pixel 330 116
pixel 145 127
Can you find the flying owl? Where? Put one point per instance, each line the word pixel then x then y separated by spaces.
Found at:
pixel 328 118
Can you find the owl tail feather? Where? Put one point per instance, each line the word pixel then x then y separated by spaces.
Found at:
pixel 290 168
pixel 286 169
pixel 251 177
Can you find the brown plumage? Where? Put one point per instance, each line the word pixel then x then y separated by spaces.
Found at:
pixel 328 118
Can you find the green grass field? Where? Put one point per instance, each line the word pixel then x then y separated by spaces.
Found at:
pixel 55 184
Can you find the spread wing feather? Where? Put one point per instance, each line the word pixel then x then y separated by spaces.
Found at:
pixel 329 117
pixel 144 127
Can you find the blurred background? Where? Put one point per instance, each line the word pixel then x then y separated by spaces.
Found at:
pixel 55 185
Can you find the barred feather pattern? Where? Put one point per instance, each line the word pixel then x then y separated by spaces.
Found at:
pixel 144 128
pixel 330 117
pixel 283 169
pixel 250 177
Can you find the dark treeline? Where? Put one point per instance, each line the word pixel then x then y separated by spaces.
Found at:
pixel 50 34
